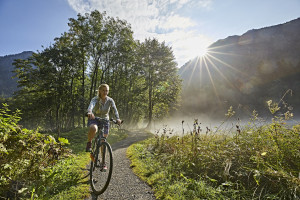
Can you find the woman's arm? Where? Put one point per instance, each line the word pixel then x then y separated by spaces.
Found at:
pixel 91 107
pixel 116 111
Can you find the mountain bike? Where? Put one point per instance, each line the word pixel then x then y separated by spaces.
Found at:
pixel 101 160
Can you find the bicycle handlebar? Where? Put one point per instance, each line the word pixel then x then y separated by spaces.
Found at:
pixel 113 120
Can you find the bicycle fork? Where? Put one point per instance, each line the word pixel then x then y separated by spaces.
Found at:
pixel 96 153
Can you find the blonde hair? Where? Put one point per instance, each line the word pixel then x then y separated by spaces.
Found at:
pixel 102 86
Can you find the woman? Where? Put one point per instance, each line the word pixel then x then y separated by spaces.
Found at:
pixel 100 107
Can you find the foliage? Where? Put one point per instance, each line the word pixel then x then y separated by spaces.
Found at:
pixel 252 162
pixel 32 164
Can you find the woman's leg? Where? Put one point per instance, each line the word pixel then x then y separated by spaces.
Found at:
pixel 106 129
pixel 91 134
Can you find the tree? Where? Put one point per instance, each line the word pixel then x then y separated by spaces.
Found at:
pixel 162 82
pixel 78 31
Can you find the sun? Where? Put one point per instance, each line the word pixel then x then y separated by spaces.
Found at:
pixel 197 51
pixel 193 46
pixel 202 52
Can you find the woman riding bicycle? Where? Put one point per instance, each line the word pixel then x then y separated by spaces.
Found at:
pixel 99 107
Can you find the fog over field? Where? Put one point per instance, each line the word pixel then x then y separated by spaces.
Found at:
pixel 177 125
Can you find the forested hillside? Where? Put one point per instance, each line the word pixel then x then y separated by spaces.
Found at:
pixel 57 84
pixel 246 71
pixel 8 84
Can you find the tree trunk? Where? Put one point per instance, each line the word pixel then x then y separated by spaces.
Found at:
pixel 150 103
pixel 92 84
pixel 73 105
pixel 95 83
pixel 57 121
pixel 83 77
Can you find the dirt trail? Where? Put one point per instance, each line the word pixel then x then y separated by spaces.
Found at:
pixel 124 184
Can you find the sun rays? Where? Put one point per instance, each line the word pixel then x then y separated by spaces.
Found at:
pixel 212 70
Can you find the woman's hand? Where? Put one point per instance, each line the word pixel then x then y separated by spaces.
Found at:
pixel 91 116
pixel 119 122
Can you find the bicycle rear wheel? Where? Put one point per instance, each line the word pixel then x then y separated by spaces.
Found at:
pixel 99 175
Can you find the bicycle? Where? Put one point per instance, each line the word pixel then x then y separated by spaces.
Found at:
pixel 101 160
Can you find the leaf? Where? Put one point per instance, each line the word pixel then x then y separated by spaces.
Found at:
pixel 227 184
pixel 211 179
pixel 63 140
pixel 256 176
pixel 22 190
pixel 264 153
pixel 22 142
pixel 50 140
pixel 7 166
pixel 3 149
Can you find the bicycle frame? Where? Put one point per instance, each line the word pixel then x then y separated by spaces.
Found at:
pixel 102 160
pixel 98 139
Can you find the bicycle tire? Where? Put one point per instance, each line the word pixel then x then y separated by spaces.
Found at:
pixel 99 180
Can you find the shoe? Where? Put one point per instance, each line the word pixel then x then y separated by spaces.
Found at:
pixel 103 168
pixel 88 147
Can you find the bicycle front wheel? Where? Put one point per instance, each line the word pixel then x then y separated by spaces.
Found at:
pixel 101 168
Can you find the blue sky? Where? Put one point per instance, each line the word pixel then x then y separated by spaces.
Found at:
pixel 188 26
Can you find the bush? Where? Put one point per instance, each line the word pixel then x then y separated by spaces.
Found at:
pixel 25 156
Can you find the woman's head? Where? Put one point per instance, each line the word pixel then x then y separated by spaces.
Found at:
pixel 103 90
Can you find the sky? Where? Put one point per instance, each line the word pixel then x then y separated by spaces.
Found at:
pixel 188 26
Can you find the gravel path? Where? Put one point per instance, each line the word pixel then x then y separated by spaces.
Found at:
pixel 124 184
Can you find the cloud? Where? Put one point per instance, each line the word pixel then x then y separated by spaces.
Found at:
pixel 175 21
pixel 161 19
pixel 80 6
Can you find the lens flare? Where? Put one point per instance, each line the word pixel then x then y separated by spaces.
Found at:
pixel 211 67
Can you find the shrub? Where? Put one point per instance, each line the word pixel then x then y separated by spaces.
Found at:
pixel 25 156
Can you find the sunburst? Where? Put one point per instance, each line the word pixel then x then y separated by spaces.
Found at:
pixel 209 60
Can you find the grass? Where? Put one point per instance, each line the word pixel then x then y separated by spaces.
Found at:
pixel 250 162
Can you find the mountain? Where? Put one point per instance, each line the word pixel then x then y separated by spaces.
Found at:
pixel 8 84
pixel 245 71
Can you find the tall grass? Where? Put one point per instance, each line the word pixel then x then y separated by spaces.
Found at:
pixel 255 161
